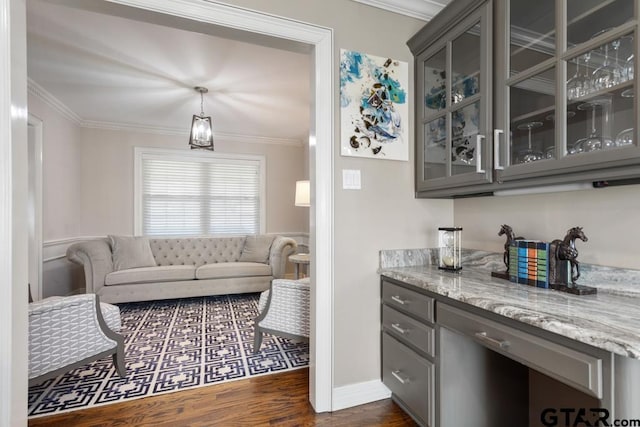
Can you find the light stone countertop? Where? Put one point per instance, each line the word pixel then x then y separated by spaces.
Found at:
pixel 609 320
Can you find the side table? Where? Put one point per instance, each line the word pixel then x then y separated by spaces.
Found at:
pixel 300 259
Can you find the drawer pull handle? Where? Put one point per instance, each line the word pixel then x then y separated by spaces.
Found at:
pixel 398 328
pixel 482 336
pixel 400 378
pixel 399 300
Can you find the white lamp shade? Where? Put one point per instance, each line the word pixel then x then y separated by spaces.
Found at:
pixel 303 193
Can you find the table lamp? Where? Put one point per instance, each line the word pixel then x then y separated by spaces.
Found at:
pixel 303 193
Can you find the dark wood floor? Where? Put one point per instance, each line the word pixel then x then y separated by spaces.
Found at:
pixel 270 400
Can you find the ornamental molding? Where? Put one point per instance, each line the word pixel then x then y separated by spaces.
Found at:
pixel 420 9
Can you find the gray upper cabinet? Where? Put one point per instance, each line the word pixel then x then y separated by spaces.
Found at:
pixel 555 95
pixel 454 96
pixel 566 87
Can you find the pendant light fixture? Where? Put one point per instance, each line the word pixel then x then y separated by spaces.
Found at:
pixel 201 126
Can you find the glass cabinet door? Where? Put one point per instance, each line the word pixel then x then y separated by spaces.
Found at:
pixel 600 85
pixel 455 111
pixel 568 92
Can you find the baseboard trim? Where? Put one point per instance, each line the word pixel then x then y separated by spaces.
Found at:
pixel 359 394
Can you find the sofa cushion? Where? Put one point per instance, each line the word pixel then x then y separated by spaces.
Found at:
pixel 232 269
pixel 197 250
pixel 131 252
pixel 256 249
pixel 151 274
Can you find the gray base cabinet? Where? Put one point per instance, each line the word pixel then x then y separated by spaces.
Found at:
pixel 410 377
pixel 408 350
pixel 449 364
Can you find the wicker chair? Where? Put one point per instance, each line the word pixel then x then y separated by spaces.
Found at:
pixel 284 311
pixel 68 332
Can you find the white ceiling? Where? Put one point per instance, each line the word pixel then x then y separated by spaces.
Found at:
pixel 112 71
pixel 111 66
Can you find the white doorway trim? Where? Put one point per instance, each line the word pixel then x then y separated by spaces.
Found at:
pixel 13 212
pixel 35 202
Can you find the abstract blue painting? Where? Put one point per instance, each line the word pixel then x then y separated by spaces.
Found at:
pixel 373 106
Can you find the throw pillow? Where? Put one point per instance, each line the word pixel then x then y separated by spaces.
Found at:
pixel 131 252
pixel 256 249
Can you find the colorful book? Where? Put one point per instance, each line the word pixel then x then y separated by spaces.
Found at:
pixel 528 263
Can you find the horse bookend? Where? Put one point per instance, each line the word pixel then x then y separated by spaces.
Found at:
pixel 508 232
pixel 564 268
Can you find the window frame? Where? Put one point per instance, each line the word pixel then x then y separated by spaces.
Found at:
pixel 182 155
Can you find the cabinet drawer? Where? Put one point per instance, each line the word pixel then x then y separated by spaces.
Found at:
pixel 579 370
pixel 408 301
pixel 410 377
pixel 407 329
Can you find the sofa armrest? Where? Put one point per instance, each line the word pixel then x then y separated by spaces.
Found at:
pixel 96 258
pixel 281 248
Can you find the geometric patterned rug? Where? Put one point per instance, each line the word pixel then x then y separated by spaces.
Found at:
pixel 173 345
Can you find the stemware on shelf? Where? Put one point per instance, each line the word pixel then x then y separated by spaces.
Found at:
pixel 595 141
pixel 529 155
pixel 610 72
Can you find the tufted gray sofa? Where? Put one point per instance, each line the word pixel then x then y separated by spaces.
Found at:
pixel 185 267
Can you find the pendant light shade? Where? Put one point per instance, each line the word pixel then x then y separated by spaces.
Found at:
pixel 201 126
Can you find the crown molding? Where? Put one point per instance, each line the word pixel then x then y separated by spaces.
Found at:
pixel 231 137
pixel 420 9
pixel 158 130
pixel 45 96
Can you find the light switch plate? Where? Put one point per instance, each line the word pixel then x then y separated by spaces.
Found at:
pixel 351 179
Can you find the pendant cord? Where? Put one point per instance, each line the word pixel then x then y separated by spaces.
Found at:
pixel 201 104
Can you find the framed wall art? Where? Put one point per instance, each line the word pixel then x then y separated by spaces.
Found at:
pixel 374 110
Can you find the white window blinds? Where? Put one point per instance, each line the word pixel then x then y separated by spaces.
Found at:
pixel 189 196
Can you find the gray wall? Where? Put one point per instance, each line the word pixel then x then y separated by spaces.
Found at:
pixel 609 217
pixel 61 177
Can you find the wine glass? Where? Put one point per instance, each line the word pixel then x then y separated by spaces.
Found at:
pixel 627 93
pixel 629 66
pixel 587 86
pixel 594 141
pixel 626 50
pixel 575 85
pixel 625 137
pixel 529 155
pixel 609 73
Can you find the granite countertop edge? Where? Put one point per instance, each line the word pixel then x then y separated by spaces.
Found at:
pixel 608 320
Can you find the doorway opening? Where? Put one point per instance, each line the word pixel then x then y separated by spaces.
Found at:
pixel 320 42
